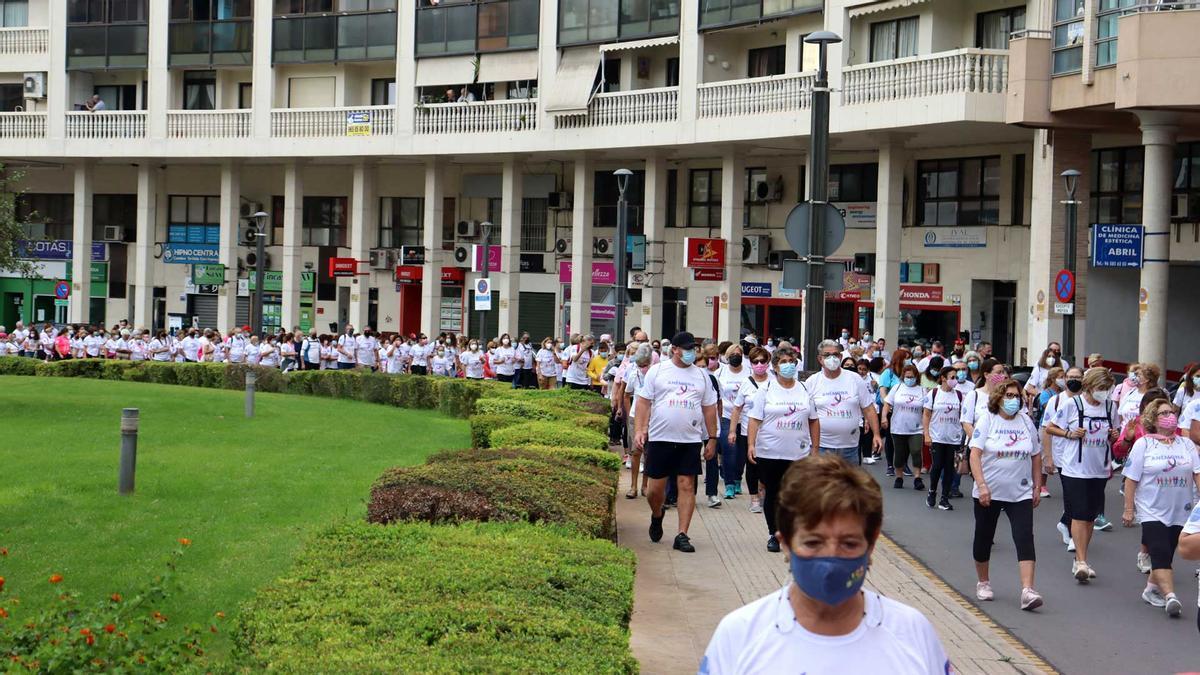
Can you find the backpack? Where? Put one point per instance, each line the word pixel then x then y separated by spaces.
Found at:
pixel 1083 418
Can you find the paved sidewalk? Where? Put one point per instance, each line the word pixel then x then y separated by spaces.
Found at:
pixel 680 598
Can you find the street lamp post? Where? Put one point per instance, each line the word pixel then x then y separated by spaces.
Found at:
pixel 818 168
pixel 486 228
pixel 622 239
pixel 1071 178
pixel 260 265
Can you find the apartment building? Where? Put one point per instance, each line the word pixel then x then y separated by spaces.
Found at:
pixel 390 132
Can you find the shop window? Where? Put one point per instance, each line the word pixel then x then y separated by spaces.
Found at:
pixel 895 39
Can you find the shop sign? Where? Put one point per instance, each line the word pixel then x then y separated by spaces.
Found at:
pixel 603 273
pixel 858 214
pixel 189 254
pixel 358 123
pixel 604 312
pixel 494 253
pixel 454 275
pixel 409 274
pixel 923 294
pixel 343 267
pixel 706 254
pixel 956 237
pixel 1117 245
pixel 708 275
pixel 756 289
pixel 98 272
pixel 273 281
pixel 412 255
pixel 56 249
pixel 208 274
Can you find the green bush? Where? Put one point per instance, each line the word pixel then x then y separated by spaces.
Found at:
pixel 115 370
pixel 518 408
pixel 375 387
pixel 602 458
pixel 561 434
pixel 303 382
pixel 72 368
pixel 207 375
pixel 414 391
pixel 18 365
pixel 457 397
pixel 571 399
pixel 482 427
pixel 604 466
pixel 480 598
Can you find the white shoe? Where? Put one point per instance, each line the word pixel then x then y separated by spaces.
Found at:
pixel 714 502
pixel 869 459
pixel 1071 546
pixel 1079 570
pixel 1065 533
pixel 1030 599
pixel 1153 597
pixel 1045 494
pixel 1174 606
pixel 1143 562
pixel 755 505
pixel 628 463
pixel 983 590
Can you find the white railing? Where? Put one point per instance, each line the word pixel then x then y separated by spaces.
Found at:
pixel 369 120
pixel 24 40
pixel 774 93
pixel 641 106
pixel 208 124
pixel 107 124
pixel 469 118
pixel 977 71
pixel 22 125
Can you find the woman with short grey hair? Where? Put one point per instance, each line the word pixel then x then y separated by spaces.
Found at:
pixel 634 378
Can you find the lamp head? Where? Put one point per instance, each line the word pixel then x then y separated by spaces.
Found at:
pixel 486 227
pixel 822 37
pixel 622 179
pixel 1071 178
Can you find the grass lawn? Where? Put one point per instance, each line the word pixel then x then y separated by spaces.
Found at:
pixel 246 492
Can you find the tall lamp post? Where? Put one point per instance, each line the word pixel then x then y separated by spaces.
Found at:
pixel 1071 178
pixel 818 169
pixel 623 176
pixel 260 268
pixel 486 228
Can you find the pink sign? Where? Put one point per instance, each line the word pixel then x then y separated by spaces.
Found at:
pixel 495 254
pixel 603 273
pixel 604 312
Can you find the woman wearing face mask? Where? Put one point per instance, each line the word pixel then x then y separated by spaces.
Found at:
pixel 504 359
pixel 783 428
pixel 974 363
pixel 634 378
pixel 1053 447
pixel 830 515
pixel 595 369
pixel 472 361
pixel 442 365
pixel 962 377
pixel 942 427
pixel 575 362
pixel 1189 387
pixel 1090 426
pixel 1038 377
pixel 543 363
pixel 889 380
pixel 709 362
pixel 1142 381
pixel 1161 477
pixel 1006 467
pixel 732 378
pixel 739 419
pixel 902 413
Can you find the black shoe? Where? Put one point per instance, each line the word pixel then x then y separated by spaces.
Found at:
pixel 955 494
pixel 918 484
pixel 656 530
pixel 907 471
pixel 682 543
pixel 899 483
pixel 930 500
pixel 945 505
pixel 891 471
pixel 772 544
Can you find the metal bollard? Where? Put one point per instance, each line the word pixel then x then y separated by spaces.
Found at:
pixel 251 384
pixel 129 435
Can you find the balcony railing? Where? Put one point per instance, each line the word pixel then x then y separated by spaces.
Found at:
pixel 22 125
pixel 208 124
pixel 974 71
pixel 371 120
pixel 774 93
pixel 470 118
pixel 106 124
pixel 641 106
pixel 24 40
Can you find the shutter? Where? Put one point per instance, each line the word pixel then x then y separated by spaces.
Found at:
pixel 536 316
pixel 204 309
pixel 242 312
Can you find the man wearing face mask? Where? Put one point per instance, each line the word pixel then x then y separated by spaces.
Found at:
pixel 844 340
pixel 524 378
pixel 676 411
pixel 823 621
pixel 347 347
pixel 842 400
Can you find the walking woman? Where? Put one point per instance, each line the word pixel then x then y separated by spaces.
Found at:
pixel 944 434
pixel 783 428
pixel 902 412
pixel 889 380
pixel 1161 477
pixel 708 362
pixel 1143 380
pixel 1054 447
pixel 739 420
pixel 635 377
pixel 1189 387
pixel 732 378
pixel 1006 465
pixel 545 364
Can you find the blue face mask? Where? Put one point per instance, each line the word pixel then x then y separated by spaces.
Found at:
pixel 688 357
pixel 788 370
pixel 1012 405
pixel 973 365
pixel 829 580
pixel 1196 381
pixel 962 376
pixel 910 381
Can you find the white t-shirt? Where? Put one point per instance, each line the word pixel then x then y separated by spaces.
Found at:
pixel 253 353
pixel 1037 377
pixel 162 351
pixel 1165 475
pixel 633 381
pixel 443 365
pixel 1192 526
pixel 1057 445
pixel 349 344
pixel 472 362
pixel 945 418
pixel 504 360
pixel 237 349
pixel 310 350
pixel 839 403
pixel 420 354
pixel 366 348
pixel 677 397
pixel 1097 420
pixel 745 400
pixel 1191 412
pixel 764 638
pixel 546 360
pixel 731 384
pixel 974 406
pixel 92 345
pixel 908 405
pixel 577 370
pixel 1182 399
pixel 524 356
pixel 269 355
pixel 190 347
pixel 1128 408
pixel 1008 446
pixel 783 413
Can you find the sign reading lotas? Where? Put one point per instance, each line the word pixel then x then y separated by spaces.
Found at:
pixel 189 254
pixel 1117 245
pixel 956 237
pixel 756 289
pixel 909 293
pixel 343 267
pixel 708 254
pixel 603 273
pixel 56 249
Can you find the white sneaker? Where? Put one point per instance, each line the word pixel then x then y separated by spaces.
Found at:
pixel 1045 494
pixel 869 459
pixel 1065 533
pixel 1030 599
pixel 1174 606
pixel 983 590
pixel 1091 572
pixel 628 463
pixel 1071 546
pixel 714 501
pixel 755 505
pixel 1143 562
pixel 1079 570
pixel 1153 597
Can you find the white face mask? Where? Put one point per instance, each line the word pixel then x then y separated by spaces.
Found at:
pixel 832 362
pixel 1050 361
pixel 1100 395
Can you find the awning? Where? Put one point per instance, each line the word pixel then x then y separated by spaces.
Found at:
pixel 876 7
pixel 508 66
pixel 574 82
pixel 446 70
pixel 638 44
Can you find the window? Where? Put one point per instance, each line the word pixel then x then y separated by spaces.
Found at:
pixel 810 55
pixel 245 95
pixel 207 32
pixel 584 21
pixel 194 219
pixel 765 61
pixel 46 216
pixel 12 96
pixel 720 13
pixel 606 194
pixel 200 90
pixel 673 72
pixel 118 96
pixel 704 198
pixel 954 192
pixel 1106 29
pixel 895 39
pixel 114 211
pixel 1068 36
pixel 1187 183
pixel 854 182
pixel 672 197
pixel 1117 185
pixel 754 211
pixel 329 30
pixel 993 28
pixel 106 34
pixel 323 222
pixel 14 13
pixel 535 215
pixel 400 221
pixel 383 91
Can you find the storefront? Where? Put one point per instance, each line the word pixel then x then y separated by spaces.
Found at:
pixel 409 280
pixel 925 314
pixel 273 299
pixel 779 315
pixel 603 317
pixel 32 299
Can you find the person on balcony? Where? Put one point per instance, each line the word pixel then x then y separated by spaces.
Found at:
pixel 94 104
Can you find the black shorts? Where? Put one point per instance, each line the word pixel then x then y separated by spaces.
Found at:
pixel 664 459
pixel 1084 497
pixel 419 370
pixel 1160 541
pixel 572 385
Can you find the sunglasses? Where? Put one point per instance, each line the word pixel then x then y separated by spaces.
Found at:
pixel 759 362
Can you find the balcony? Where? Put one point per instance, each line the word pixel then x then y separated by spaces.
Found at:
pixel 24 40
pixel 18 125
pixel 471 118
pixel 479 26
pixel 641 106
pixel 756 95
pixel 372 120
pixel 973 71
pixel 333 38
pixel 209 124
pixel 106 124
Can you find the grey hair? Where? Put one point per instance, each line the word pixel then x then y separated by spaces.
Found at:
pixel 644 355
pixel 825 344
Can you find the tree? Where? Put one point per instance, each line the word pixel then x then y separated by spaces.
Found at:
pixel 11 228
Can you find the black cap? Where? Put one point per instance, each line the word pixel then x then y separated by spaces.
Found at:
pixel 684 340
pixel 935 365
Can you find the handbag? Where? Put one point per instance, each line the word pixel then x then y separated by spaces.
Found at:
pixel 962 460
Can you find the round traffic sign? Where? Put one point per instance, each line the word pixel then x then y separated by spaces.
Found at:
pixel 1064 286
pixel 62 290
pixel 483 286
pixel 798 227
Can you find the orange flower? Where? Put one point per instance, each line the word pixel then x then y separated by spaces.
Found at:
pixel 159 617
pixel 3 613
pixel 110 628
pixel 56 578
pixel 115 597
pixel 3 552
pixel 185 542
pixel 1 583
pixel 85 631
pixel 212 628
pixel 220 615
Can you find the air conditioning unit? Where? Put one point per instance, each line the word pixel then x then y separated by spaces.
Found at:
pixel 603 246
pixel 467 229
pixel 252 260
pixel 114 233
pixel 775 258
pixel 562 246
pixel 558 201
pixel 1179 206
pixel 462 256
pixel 247 234
pixel 35 85
pixel 864 263
pixel 767 190
pixel 382 258
pixel 755 249
pixel 248 209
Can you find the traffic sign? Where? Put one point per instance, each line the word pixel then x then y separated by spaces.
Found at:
pixel 62 303
pixel 483 295
pixel 799 227
pixel 62 290
pixel 1064 308
pixel 1064 286
pixel 796 273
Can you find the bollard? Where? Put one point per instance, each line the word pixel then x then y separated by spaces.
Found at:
pixel 251 382
pixel 129 435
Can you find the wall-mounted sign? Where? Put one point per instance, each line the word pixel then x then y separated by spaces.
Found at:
pixel 756 289
pixel 189 254
pixel 534 263
pixel 603 273
pixel 706 254
pixel 358 123
pixel 920 293
pixel 708 275
pixel 1117 245
pixel 495 255
pixel 412 255
pixel 208 274
pixel 273 281
pixel 454 276
pixel 956 237
pixel 858 214
pixel 409 274
pixel 56 249
pixel 343 267
pixel 604 312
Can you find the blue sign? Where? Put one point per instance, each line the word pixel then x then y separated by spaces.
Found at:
pixel 62 290
pixel 189 254
pixel 56 249
pixel 756 289
pixel 1117 245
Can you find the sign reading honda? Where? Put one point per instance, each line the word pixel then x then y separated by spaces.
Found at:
pixel 910 293
pixel 56 249
pixel 189 254
pixel 603 273
pixel 1117 245
pixel 708 254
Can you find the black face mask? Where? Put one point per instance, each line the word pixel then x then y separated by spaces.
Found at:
pixel 1074 386
pixel 735 360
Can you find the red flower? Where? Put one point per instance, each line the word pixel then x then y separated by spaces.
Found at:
pixel 91 640
pixel 159 617
pixel 3 613
pixel 110 628
pixel 1 583
pixel 115 597
pixel 185 542
pixel 56 578
pixel 212 628
pixel 3 552
pixel 85 631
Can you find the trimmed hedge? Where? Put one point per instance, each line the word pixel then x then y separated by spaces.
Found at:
pixel 457 398
pixel 557 434
pixel 482 427
pixel 517 408
pixel 601 458
pixel 594 462
pixel 18 365
pixel 483 598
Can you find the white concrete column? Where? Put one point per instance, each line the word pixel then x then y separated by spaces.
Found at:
pixel 158 78
pixel 406 72
pixel 654 223
pixel 581 245
pixel 733 198
pixel 888 229
pixel 431 286
pixel 691 66
pixel 263 91
pixel 1158 137
pixel 511 193
pixel 81 258
pixel 57 84
pixel 547 63
pixel 293 218
pixel 143 251
pixel 231 219
pixel 364 222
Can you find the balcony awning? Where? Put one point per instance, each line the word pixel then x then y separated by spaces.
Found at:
pixel 638 44
pixel 574 82
pixel 876 7
pixel 508 66
pixel 446 70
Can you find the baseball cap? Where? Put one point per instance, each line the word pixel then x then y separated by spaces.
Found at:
pixel 684 340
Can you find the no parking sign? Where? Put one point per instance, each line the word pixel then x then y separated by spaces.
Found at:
pixel 483 295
